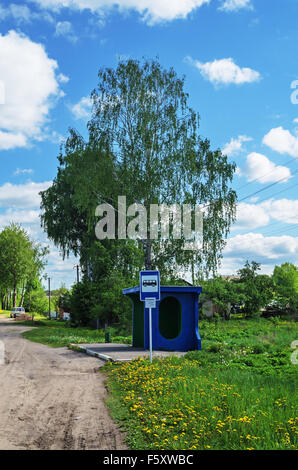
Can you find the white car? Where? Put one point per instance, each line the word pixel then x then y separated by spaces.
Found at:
pixel 16 312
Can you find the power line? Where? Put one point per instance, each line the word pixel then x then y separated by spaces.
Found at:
pixel 282 230
pixel 284 226
pixel 266 187
pixel 266 174
pixel 240 200
pixel 262 226
pixel 279 192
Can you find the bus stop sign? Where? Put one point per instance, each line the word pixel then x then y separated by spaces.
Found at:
pixel 149 285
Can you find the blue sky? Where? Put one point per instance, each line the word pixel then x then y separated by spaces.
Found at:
pixel 239 58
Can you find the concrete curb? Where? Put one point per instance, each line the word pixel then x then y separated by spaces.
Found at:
pixel 104 357
pixel 118 354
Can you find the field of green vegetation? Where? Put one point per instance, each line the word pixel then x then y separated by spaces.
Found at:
pixel 237 393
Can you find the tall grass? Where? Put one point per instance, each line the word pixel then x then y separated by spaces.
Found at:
pixel 239 392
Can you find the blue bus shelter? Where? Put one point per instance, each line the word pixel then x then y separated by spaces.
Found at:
pixel 175 320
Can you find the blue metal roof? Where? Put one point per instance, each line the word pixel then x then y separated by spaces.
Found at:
pixel 180 289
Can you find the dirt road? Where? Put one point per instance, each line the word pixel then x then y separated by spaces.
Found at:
pixel 51 398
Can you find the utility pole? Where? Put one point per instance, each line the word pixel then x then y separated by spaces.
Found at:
pixel 78 276
pixel 49 281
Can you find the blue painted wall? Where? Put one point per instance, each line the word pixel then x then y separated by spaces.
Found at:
pixel 189 337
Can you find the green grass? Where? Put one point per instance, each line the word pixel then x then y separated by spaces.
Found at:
pixel 5 313
pixel 57 334
pixel 239 392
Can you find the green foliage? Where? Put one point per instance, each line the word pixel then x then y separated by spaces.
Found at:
pixel 112 307
pixel 21 260
pixel 285 278
pixel 59 298
pixel 254 291
pixel 257 289
pixel 83 298
pixel 223 293
pixel 64 299
pixel 102 301
pixel 35 300
pixel 160 157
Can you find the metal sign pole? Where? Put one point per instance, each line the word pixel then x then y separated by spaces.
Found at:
pixel 149 293
pixel 150 333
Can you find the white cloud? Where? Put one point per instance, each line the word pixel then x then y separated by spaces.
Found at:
pixel 253 216
pixel 31 86
pixel 259 247
pixel 282 141
pixel 3 13
pixel 236 5
pixel 235 145
pixel 19 216
pixel 25 171
pixel 22 195
pixel 283 210
pixel 60 271
pixel 65 28
pixel 250 216
pixel 225 72
pixel 22 14
pixel 82 109
pixel 259 167
pixel 62 78
pixel 151 11
pixel 10 140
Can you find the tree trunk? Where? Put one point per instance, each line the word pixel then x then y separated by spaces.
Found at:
pixel 2 300
pixel 192 270
pixel 148 261
pixel 7 299
pixel 23 294
pixel 14 296
pixel 147 251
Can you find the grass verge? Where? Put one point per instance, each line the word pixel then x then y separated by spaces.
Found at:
pixel 57 333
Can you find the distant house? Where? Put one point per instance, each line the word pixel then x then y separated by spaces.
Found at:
pixel 63 314
pixel 230 277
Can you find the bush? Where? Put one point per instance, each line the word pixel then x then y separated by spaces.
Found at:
pixel 82 300
pixel 91 301
pixel 112 307
pixel 36 301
